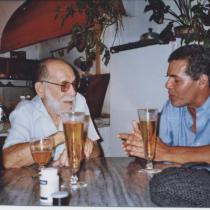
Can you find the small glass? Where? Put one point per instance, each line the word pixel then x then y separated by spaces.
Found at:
pixel 74 124
pixel 148 126
pixel 41 150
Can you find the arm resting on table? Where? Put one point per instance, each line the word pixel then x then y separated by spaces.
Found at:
pixel 181 154
pixel 19 155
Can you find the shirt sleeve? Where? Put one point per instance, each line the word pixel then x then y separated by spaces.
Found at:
pixel 19 131
pixel 29 120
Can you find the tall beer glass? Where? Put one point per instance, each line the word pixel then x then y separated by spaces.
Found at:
pixel 148 127
pixel 75 134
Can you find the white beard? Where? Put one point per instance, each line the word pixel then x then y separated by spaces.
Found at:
pixel 52 102
pixel 55 105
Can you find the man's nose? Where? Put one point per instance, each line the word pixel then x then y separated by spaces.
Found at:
pixel 72 90
pixel 169 84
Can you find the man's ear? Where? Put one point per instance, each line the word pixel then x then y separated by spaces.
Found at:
pixel 203 81
pixel 39 87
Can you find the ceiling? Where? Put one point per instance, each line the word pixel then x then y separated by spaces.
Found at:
pixel 6 10
pixel 24 23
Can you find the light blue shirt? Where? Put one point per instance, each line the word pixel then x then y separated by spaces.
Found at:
pixel 176 123
pixel 30 120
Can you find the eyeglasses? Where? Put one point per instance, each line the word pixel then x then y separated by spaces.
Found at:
pixel 65 86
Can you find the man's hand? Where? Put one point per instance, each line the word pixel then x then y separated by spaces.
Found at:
pixel 133 144
pixel 63 158
pixel 88 148
pixel 162 151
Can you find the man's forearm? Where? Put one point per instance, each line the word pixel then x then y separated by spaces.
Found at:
pixel 58 138
pixel 17 156
pixel 188 154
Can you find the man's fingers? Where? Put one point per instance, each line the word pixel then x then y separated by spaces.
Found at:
pixel 88 148
pixel 125 149
pixel 133 151
pixel 134 148
pixel 137 151
pixel 134 142
pixel 136 130
pixel 128 136
pixel 123 136
pixel 135 125
pixel 62 160
pixel 56 163
pixel 66 162
pixel 137 154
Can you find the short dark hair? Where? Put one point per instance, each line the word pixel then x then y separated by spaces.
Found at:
pixel 198 58
pixel 42 72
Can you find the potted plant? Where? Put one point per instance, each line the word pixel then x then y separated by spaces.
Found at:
pixel 189 19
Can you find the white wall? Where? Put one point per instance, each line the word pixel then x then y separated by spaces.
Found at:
pixel 32 52
pixel 137 80
pixel 137 75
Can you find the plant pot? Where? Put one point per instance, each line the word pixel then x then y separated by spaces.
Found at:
pixel 183 31
pixel 93 88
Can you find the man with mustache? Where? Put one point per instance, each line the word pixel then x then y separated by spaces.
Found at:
pixel 184 132
pixel 55 85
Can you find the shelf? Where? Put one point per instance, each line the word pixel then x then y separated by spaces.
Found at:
pixel 8 83
pixel 134 45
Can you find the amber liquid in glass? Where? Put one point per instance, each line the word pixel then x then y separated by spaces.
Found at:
pixel 41 157
pixel 74 133
pixel 148 131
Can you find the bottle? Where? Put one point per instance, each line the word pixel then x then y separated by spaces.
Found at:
pixel 22 98
pixel 28 97
pixel 49 184
pixel 60 198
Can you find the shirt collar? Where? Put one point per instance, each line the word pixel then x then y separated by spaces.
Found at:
pixel 205 107
pixel 202 115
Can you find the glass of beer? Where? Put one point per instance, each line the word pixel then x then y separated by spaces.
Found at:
pixel 41 150
pixel 74 125
pixel 148 126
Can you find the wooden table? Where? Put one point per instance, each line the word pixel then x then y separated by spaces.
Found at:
pixel 113 181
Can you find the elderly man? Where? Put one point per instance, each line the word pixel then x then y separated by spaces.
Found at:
pixel 55 86
pixel 184 133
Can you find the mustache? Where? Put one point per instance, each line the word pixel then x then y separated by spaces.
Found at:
pixel 68 98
